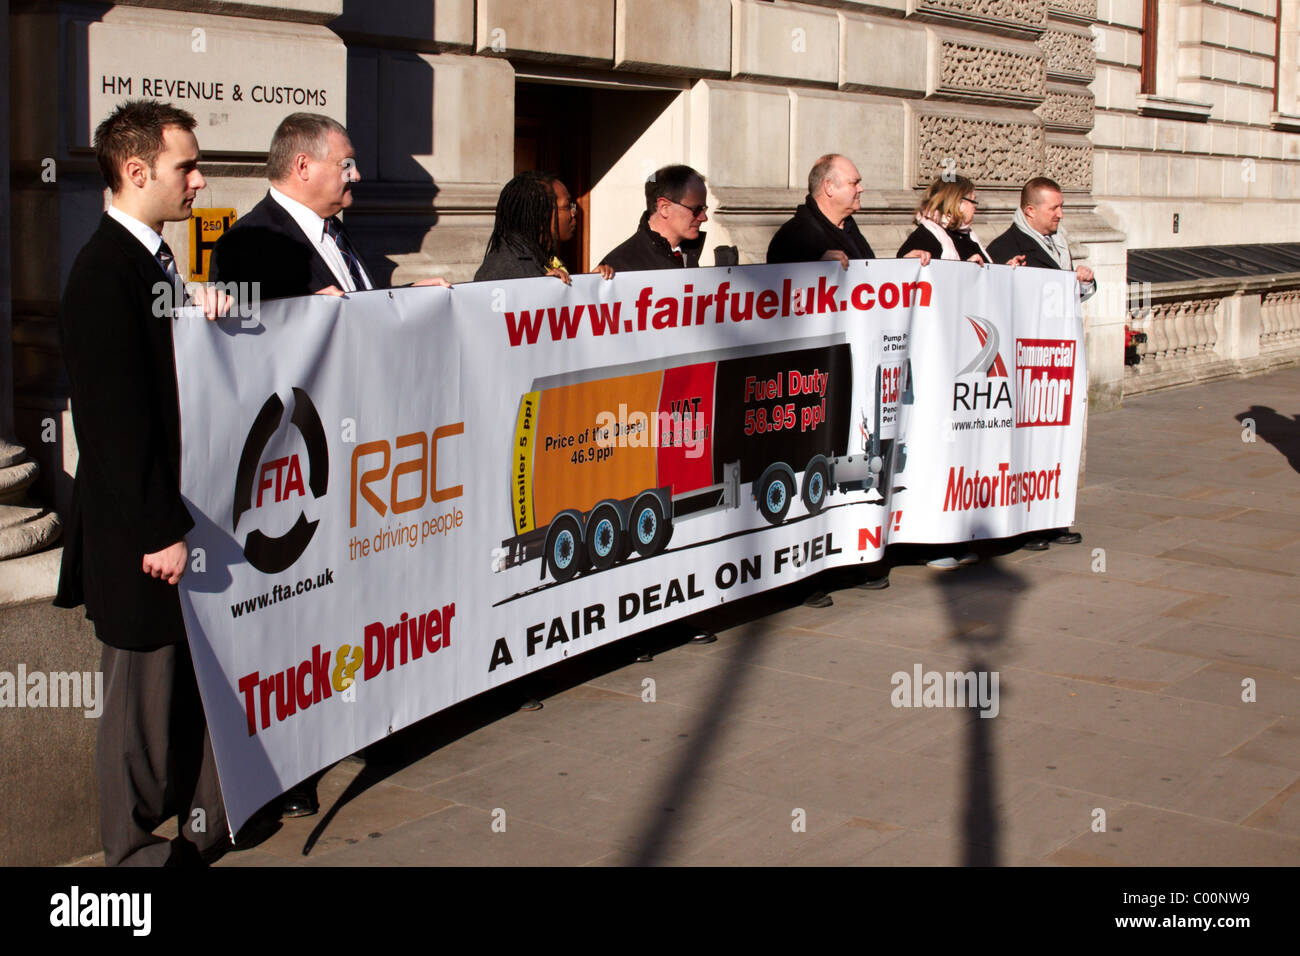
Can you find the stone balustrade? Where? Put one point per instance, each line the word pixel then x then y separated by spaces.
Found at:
pixel 1280 322
pixel 1213 328
pixel 1184 332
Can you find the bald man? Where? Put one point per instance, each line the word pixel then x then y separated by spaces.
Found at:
pixel 823 227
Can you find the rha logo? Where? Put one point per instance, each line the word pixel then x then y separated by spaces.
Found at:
pixel 280 479
pixel 977 388
pixel 1044 381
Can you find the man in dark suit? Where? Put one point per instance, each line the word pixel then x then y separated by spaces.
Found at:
pixel 125 548
pixel 292 242
pixel 1036 234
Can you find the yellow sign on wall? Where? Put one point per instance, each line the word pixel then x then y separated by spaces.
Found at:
pixel 206 227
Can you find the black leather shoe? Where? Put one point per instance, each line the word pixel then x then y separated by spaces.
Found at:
pixel 1068 537
pixel 184 854
pixel 300 801
pixel 1036 544
pixel 260 828
pixel 818 599
pixel 873 584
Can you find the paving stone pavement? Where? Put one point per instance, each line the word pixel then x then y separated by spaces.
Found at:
pixel 1122 664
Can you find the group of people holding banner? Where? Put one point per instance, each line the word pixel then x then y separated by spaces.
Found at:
pixel 126 547
pixel 536 214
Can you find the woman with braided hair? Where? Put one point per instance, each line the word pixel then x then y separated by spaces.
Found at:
pixel 530 225
pixel 523 237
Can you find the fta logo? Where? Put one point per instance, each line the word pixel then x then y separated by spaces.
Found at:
pixel 1044 381
pixel 261 485
pixel 983 385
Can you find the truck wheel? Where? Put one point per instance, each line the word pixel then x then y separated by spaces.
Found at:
pixel 816 477
pixel 604 537
pixel 774 497
pixel 565 552
pixel 649 526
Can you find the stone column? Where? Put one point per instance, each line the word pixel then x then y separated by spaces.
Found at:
pixel 24 526
pixel 1068 113
pixel 6 286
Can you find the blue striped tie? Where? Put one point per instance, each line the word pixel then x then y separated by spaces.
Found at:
pixel 334 229
pixel 168 263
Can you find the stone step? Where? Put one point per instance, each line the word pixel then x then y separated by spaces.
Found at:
pixel 13 515
pixel 30 536
pixel 11 454
pixel 15 480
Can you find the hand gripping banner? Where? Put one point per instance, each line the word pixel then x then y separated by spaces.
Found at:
pixel 404 498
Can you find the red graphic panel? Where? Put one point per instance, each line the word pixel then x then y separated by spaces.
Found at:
pixel 1044 381
pixel 684 429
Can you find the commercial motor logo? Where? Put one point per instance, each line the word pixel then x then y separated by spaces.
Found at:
pixel 279 480
pixel 1044 381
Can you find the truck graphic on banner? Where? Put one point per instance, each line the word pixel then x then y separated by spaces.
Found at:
pixel 603 462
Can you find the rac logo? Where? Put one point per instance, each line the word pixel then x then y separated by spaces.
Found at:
pixel 280 480
pixel 422 467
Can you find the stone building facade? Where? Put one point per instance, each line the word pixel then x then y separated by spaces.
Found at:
pixel 1142 109
pixel 446 98
pixel 1195 143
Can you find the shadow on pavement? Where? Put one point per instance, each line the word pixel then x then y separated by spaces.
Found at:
pixel 980 835
pixel 414 743
pixel 1279 431
pixel 668 810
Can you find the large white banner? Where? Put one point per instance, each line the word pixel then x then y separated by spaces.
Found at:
pixel 406 498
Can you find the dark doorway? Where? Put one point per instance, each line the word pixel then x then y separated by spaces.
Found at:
pixel 553 133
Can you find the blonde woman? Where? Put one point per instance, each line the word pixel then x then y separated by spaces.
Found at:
pixel 943 229
pixel 944 220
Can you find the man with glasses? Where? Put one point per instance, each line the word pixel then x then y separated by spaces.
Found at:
pixel 668 236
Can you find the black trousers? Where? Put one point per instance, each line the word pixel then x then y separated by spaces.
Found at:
pixel 154 760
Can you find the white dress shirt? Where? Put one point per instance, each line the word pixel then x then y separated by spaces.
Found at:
pixel 151 240
pixel 314 228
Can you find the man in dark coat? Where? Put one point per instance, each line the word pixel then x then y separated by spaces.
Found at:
pixel 823 227
pixel 125 548
pixel 1037 235
pixel 293 242
pixel 668 236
